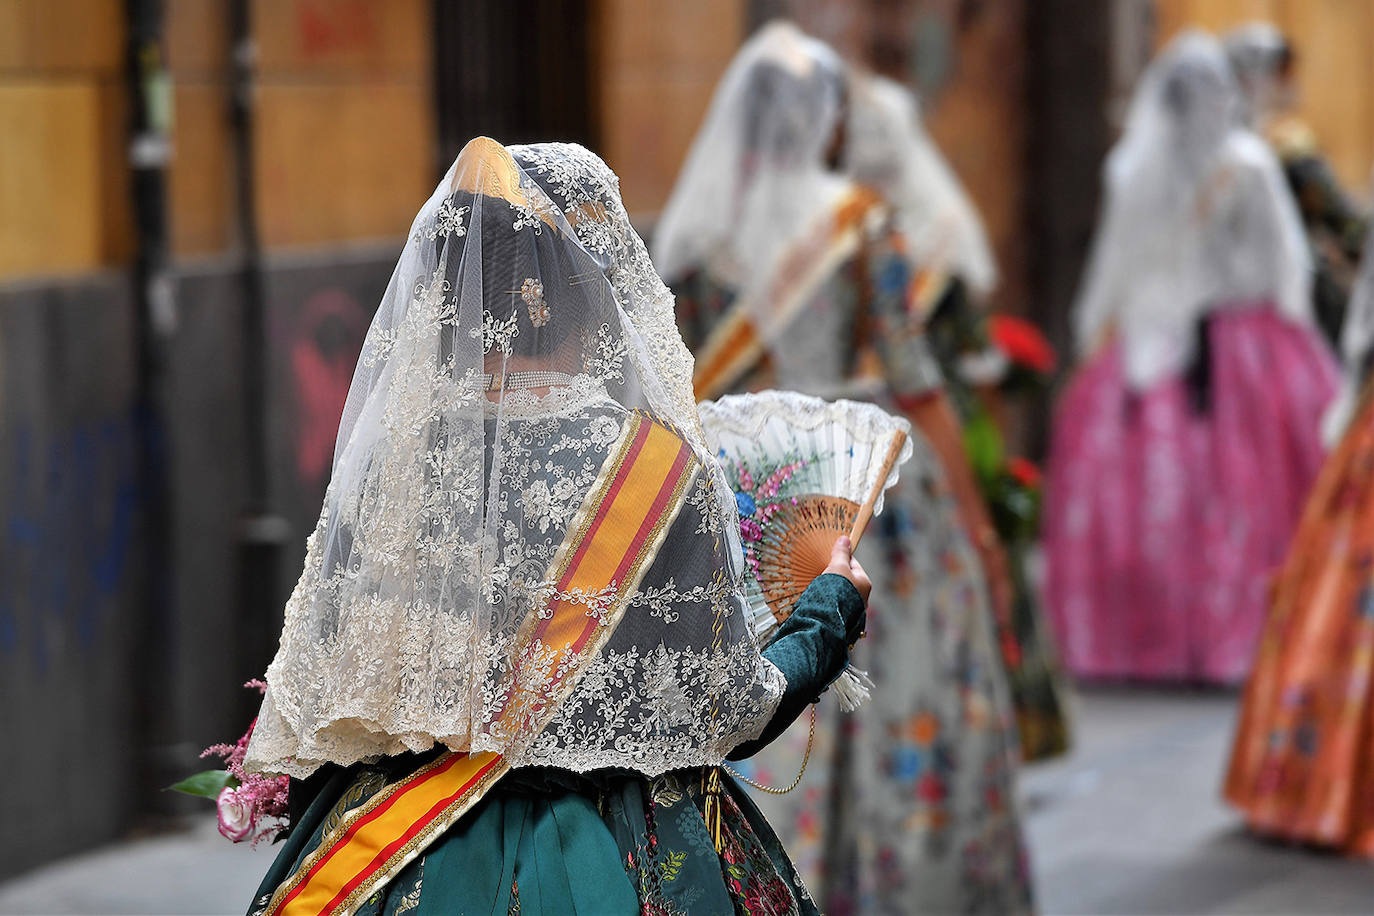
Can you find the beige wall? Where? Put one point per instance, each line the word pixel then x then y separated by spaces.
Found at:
pixel 200 179
pixel 345 129
pixel 1335 45
pixel 60 64
pixel 658 65
pixel 979 122
pixel 976 113
pixel 344 139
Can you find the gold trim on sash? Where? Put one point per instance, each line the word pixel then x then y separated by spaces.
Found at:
pixel 737 344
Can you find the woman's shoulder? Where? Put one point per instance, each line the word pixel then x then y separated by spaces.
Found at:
pixel 862 204
pixel 1246 171
pixel 1245 152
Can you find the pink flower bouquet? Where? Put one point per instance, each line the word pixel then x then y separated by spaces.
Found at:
pixel 250 806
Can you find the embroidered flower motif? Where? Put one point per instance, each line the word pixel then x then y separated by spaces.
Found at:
pixel 603 431
pixel 448 221
pixel 496 333
pixel 537 501
pixel 532 291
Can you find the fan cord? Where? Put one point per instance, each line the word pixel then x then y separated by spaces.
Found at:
pixel 806 758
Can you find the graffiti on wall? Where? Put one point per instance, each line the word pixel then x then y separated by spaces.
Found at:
pixel 324 349
pixel 335 27
pixel 71 496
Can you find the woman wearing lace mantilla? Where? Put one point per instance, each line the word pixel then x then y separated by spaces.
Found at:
pixel 1185 444
pixel 789 274
pixel 887 148
pixel 517 657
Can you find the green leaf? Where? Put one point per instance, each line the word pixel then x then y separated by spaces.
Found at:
pixel 983 442
pixel 671 866
pixel 207 784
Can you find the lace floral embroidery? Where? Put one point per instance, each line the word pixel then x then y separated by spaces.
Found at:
pixel 420 615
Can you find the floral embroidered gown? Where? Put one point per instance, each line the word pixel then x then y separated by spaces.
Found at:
pixel 909 804
pixel 1303 752
pixel 1301 763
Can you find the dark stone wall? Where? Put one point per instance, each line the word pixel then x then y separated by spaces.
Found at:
pixel 1068 86
pixel 106 690
pixel 69 566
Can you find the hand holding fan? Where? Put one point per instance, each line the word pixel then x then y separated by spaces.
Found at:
pixel 805 471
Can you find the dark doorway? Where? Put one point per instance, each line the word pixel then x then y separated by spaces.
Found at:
pixel 517 71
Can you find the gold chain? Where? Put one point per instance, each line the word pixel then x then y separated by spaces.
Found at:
pixel 806 758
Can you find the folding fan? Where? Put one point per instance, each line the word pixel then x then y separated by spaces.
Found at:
pixel 804 471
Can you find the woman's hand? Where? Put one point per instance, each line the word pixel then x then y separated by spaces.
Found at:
pixel 842 563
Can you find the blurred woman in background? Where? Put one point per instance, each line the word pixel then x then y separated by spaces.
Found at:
pixel 888 150
pixel 789 274
pixel 1303 757
pixel 1185 444
pixel 1264 63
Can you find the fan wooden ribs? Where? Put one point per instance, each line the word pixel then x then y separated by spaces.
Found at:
pixel 796 547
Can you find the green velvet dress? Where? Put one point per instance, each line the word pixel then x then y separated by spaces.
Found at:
pixel 600 843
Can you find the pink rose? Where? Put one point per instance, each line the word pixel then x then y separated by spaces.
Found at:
pixel 235 815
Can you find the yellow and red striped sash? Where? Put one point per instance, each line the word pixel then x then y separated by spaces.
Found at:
pixel 612 541
pixel 615 534
pixel 736 345
pixel 379 837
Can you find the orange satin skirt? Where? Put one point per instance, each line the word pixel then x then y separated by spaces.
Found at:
pixel 1302 767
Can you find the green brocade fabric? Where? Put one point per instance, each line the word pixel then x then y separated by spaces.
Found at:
pixel 603 843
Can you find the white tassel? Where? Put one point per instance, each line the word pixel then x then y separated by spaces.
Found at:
pixel 853 688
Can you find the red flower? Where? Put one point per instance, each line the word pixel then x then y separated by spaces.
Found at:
pixel 1024 472
pixel 1011 650
pixel 1022 343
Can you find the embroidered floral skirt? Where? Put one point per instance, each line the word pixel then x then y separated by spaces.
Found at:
pixel 909 804
pixel 1302 767
pixel 547 841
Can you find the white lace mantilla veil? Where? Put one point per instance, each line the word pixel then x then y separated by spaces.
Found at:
pixel 888 148
pixel 1196 215
pixel 522 371
pixel 755 178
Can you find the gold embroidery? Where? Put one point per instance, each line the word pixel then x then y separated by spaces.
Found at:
pixel 411 900
pixel 367 783
pixel 666 791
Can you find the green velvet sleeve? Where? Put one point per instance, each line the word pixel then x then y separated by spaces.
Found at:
pixel 811 649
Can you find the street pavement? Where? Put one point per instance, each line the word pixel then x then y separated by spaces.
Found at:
pixel 1130 823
